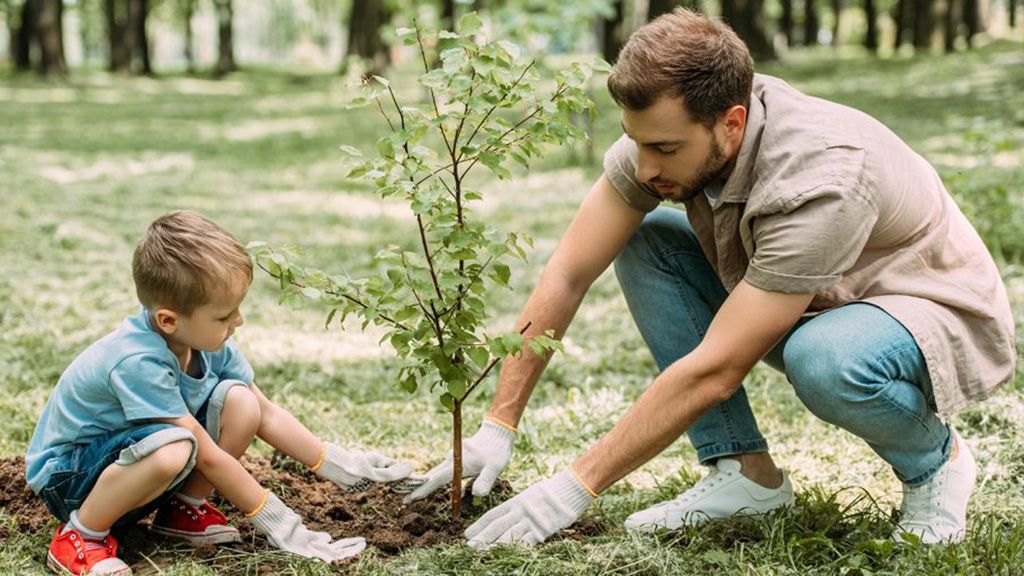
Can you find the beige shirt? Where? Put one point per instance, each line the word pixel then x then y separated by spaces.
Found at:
pixel 824 199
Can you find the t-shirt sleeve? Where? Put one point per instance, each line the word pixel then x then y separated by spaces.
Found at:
pixel 147 388
pixel 810 242
pixel 620 167
pixel 233 365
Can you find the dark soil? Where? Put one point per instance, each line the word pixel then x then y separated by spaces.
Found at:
pixel 376 514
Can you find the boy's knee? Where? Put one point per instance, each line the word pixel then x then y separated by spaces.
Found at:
pixel 242 408
pixel 169 460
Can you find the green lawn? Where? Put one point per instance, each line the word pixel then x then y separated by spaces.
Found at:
pixel 85 165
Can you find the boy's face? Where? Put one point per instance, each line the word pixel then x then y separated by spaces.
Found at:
pixel 210 325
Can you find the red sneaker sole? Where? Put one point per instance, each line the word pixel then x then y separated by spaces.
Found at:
pixel 227 535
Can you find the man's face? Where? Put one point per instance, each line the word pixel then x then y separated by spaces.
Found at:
pixel 677 156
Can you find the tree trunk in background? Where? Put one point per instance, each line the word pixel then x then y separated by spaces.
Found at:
pixel 610 33
pixel 837 11
pixel 22 37
pixel 871 34
pixel 924 23
pixel 656 8
pixel 950 10
pixel 225 37
pixel 786 22
pixel 364 39
pixel 746 17
pixel 189 8
pixel 811 23
pixel 50 36
pixel 138 13
pixel 972 20
pixel 116 12
pixel 448 15
pixel 1013 13
pixel 694 5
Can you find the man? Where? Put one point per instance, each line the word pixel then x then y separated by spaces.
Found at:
pixel 813 238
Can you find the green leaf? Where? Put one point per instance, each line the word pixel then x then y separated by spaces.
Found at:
pixel 381 80
pixel 480 356
pixel 447 35
pixel 330 317
pixel 470 23
pixel 448 402
pixel 502 273
pixel 311 293
pixel 350 150
pixel 457 388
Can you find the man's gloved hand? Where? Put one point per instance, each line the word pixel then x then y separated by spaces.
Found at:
pixel 484 455
pixel 283 527
pixel 533 515
pixel 356 471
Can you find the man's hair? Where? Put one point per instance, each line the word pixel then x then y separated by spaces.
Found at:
pixel 687 55
pixel 183 258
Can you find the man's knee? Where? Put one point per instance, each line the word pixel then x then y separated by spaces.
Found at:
pixel 822 375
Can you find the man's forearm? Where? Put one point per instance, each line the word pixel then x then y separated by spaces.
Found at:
pixel 551 306
pixel 662 413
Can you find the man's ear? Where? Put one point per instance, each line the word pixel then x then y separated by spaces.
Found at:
pixel 733 124
pixel 166 320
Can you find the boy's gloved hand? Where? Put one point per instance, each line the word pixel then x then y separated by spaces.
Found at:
pixel 533 515
pixel 356 471
pixel 484 455
pixel 283 527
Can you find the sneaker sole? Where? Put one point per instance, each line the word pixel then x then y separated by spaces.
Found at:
pixel 227 536
pixel 53 564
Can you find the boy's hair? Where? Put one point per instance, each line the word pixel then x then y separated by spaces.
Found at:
pixel 687 55
pixel 182 258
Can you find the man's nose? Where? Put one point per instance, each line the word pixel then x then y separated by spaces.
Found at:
pixel 646 167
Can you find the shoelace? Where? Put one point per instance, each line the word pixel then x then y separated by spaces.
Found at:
pixel 91 545
pixel 702 486
pixel 922 502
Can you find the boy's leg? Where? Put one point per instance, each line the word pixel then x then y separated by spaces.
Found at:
pixel 231 417
pixel 860 369
pixel 673 293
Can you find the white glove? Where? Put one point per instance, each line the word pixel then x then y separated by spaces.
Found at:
pixel 357 471
pixel 484 455
pixel 533 515
pixel 283 527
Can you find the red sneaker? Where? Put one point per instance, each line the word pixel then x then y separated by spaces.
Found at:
pixel 199 526
pixel 71 554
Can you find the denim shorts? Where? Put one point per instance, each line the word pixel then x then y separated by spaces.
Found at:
pixel 76 472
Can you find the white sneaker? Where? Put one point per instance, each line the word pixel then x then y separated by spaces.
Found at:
pixel 936 511
pixel 724 492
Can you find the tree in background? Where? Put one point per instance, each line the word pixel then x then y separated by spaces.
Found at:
pixel 365 41
pixel 786 22
pixel 611 32
pixel 871 19
pixel 746 17
pixel 188 10
pixel 127 38
pixel 225 37
pixel 811 23
pixel 37 36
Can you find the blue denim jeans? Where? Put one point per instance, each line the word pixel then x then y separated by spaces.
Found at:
pixel 854 366
pixel 76 475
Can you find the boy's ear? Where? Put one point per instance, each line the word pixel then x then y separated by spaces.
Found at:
pixel 166 320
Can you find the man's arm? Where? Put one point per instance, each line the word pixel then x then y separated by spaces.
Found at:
pixel 602 226
pixel 749 324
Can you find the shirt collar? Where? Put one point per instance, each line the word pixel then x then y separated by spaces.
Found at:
pixel 737 186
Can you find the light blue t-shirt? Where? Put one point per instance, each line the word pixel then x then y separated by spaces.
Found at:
pixel 123 379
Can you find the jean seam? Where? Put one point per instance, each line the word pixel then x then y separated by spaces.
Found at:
pixel 888 382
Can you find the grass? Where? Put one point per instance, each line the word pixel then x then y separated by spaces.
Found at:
pixel 87 164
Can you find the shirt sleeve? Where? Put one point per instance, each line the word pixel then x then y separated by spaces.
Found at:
pixel 233 365
pixel 620 167
pixel 147 388
pixel 810 242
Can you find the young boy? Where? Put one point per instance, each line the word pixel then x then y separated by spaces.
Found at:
pixel 155 415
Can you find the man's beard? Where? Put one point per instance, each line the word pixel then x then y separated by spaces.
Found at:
pixel 713 169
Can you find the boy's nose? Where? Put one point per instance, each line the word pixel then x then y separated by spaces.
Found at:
pixel 240 320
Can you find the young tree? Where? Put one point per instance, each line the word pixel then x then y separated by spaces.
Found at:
pixel 486 108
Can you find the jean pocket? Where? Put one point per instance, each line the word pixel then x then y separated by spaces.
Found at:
pixel 59 494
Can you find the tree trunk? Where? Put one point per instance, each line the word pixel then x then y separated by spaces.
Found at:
pixel 924 24
pixel 656 8
pixel 1013 13
pixel 746 17
pixel 364 38
pixel 972 21
pixel 837 10
pixel 49 34
pixel 811 23
pixel 694 5
pixel 138 12
pixel 950 23
pixel 456 494
pixel 116 12
pixel 448 15
pixel 871 34
pixel 225 37
pixel 22 37
pixel 189 8
pixel 786 22
pixel 610 33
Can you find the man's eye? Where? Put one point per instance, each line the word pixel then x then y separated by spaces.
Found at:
pixel 666 150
